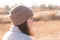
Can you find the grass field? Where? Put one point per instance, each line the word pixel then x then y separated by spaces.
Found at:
pixel 43 30
pixel 46 29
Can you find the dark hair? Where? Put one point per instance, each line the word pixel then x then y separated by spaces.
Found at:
pixel 24 28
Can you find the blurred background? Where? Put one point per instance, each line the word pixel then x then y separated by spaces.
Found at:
pixel 46 25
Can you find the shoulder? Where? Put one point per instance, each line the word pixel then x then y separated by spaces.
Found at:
pixel 26 37
pixel 16 36
pixel 23 37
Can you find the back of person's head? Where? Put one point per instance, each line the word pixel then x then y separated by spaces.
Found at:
pixel 19 16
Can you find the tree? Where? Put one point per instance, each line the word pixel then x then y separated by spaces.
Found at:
pixel 50 6
pixel 42 6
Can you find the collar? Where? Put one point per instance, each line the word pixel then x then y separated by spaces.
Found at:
pixel 14 29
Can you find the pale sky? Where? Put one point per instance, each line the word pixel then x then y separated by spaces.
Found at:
pixel 28 2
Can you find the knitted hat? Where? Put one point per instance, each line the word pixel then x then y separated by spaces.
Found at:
pixel 20 14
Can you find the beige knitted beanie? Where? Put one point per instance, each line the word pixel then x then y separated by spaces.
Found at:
pixel 20 14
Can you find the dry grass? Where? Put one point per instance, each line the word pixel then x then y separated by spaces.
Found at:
pixel 44 30
pixel 3 28
pixel 47 30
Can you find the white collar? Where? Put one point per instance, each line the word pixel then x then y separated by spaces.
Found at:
pixel 14 29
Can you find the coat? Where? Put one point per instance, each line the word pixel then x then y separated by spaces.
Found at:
pixel 15 34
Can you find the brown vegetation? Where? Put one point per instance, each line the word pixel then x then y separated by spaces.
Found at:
pixel 46 25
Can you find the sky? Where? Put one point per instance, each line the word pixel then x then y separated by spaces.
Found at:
pixel 28 3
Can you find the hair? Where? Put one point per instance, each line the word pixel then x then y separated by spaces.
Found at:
pixel 24 28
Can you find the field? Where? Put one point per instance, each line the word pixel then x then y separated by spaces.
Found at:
pixel 47 30
pixel 3 28
pixel 46 26
pixel 43 30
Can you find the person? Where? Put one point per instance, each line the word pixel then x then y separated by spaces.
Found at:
pixel 21 17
